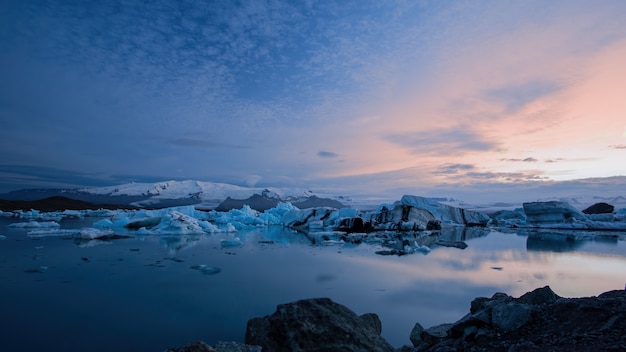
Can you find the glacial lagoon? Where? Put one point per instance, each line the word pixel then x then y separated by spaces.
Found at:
pixel 153 292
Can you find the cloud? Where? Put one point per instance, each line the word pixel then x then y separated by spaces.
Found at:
pixel 326 154
pixel 526 160
pixel 442 141
pixel 507 176
pixel 618 146
pixel 452 169
pixel 28 176
pixel 193 142
pixel 516 96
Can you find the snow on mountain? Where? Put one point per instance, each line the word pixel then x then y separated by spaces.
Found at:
pixel 208 194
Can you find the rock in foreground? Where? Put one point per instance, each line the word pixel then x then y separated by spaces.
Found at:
pixel 317 324
pixel 537 321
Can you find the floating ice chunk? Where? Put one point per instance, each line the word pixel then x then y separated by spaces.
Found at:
pixel 103 224
pixel 52 233
pixel 175 222
pixel 230 243
pixel 332 242
pixel 206 270
pixel 35 224
pixel 92 233
pixel 3 237
pixel 274 216
pixel 74 214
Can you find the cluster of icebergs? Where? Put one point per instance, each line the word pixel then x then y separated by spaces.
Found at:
pixel 411 213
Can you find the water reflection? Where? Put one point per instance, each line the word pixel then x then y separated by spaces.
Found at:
pixel 177 285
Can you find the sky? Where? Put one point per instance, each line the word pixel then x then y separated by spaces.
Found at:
pixel 489 98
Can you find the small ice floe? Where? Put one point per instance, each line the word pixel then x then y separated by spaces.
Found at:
pixel 93 233
pixel 90 233
pixel 332 242
pixel 51 233
pixel 422 249
pixel 35 224
pixel 206 270
pixel 3 237
pixel 230 243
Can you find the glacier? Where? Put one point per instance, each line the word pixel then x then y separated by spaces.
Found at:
pixel 323 225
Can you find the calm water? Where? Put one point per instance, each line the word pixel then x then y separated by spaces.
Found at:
pixel 151 293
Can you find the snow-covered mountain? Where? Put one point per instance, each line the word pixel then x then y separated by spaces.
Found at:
pixel 175 193
pixel 210 195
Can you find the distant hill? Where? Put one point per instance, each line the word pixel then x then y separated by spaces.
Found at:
pixel 55 203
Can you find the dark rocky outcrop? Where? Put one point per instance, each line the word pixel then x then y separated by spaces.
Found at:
pixel 537 321
pixel 256 202
pixel 317 324
pixel 56 203
pixel 600 208
pixel 200 346
pixel 313 202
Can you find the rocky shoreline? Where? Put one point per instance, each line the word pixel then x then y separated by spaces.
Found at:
pixel 537 321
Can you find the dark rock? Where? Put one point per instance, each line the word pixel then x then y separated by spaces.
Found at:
pixel 435 334
pixel 256 202
pixel 221 346
pixel 600 208
pixel 543 295
pixel 354 225
pixel 231 346
pixel 537 321
pixel 510 316
pixel 416 335
pixel 315 325
pixel 314 202
pixel 373 321
pixel 56 203
pixel 196 346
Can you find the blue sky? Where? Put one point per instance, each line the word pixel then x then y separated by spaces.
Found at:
pixel 392 97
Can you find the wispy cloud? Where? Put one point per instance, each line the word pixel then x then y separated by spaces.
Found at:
pixel 453 169
pixel 327 154
pixel 203 143
pixel 442 141
pixel 525 160
pixel 443 91
pixel 517 96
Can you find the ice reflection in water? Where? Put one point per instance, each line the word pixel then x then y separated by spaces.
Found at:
pixel 147 292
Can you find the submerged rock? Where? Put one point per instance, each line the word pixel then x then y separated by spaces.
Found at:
pixel 317 324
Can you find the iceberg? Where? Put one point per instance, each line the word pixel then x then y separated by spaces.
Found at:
pixel 35 224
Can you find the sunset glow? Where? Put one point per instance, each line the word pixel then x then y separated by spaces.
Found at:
pixel 382 98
